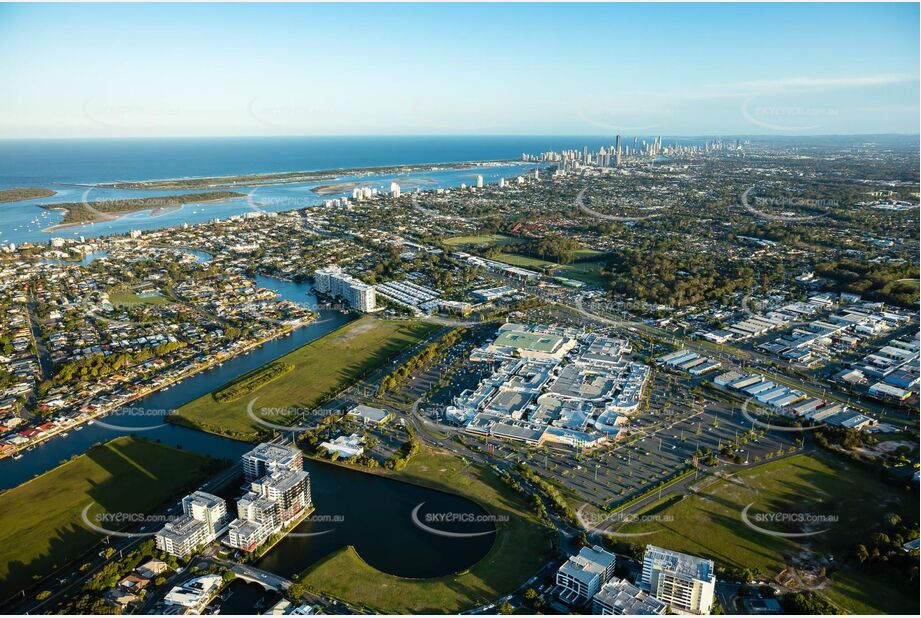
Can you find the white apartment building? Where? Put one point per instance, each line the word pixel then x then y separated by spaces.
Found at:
pixel 246 535
pixel 619 597
pixel 582 576
pixel 209 509
pixel 333 281
pixel 267 458
pixel 275 498
pixel 181 536
pixel 685 582
pixel 204 519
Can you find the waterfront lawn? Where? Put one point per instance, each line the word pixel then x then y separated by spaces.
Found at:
pixel 41 528
pixel 709 524
pixel 321 368
pixel 523 545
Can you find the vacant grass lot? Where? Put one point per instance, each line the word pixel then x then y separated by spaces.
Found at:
pixel 41 527
pixel 482 240
pixel 130 298
pixel 709 524
pixel 522 546
pixel 321 368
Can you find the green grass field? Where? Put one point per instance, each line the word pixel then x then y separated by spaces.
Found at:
pixel 130 298
pixel 710 524
pixel 483 240
pixel 525 261
pixel 41 527
pixel 321 368
pixel 522 546
pixel 587 270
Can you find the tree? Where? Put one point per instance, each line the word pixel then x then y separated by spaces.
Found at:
pixel 862 553
pixel 506 609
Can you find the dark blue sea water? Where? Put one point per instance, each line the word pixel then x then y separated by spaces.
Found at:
pixel 90 161
pixel 69 166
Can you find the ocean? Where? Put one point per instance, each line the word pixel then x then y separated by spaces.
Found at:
pixel 68 166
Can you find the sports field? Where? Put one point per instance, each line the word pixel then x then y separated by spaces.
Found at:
pixel 587 270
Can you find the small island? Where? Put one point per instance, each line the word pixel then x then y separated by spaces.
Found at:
pixel 21 194
pixel 77 213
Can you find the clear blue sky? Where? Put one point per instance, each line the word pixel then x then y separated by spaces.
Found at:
pixel 186 70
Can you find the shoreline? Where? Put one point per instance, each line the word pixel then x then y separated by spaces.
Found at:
pixel 293 177
pixel 149 391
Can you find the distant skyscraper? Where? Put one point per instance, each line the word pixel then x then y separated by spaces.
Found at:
pixel 617 150
pixel 479 182
pixel 394 189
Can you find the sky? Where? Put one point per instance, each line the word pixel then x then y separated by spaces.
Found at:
pixel 177 70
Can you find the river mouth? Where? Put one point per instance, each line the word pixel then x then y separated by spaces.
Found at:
pixel 380 517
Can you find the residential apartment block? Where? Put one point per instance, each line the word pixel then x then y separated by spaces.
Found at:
pixel 204 518
pixel 685 582
pixel 278 493
pixel 267 458
pixel 582 576
pixel 619 597
pixel 333 281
